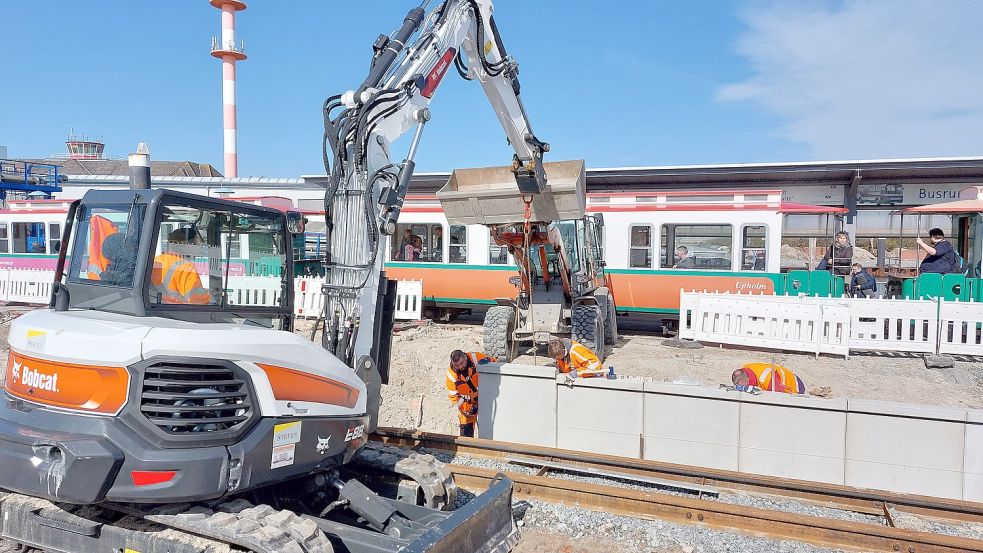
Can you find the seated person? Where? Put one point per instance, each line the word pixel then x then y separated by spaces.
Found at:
pixel 175 278
pixel 862 283
pixel 684 261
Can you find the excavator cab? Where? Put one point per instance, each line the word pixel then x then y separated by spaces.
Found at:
pixel 561 286
pixel 168 254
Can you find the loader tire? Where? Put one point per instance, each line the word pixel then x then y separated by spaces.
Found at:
pixel 588 328
pixel 499 325
pixel 605 298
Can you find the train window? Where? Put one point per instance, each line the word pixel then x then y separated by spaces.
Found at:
pixel 753 248
pixel 697 246
pixel 458 244
pixel 54 232
pixel 417 242
pixel 497 255
pixel 640 248
pixel 4 242
pixel 29 237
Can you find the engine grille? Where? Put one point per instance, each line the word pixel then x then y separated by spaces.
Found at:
pixel 182 398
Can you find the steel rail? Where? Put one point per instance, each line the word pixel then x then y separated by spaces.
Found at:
pixel 713 514
pixel 872 502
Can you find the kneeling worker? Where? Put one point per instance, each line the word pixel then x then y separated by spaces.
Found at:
pixel 462 387
pixel 768 377
pixel 574 358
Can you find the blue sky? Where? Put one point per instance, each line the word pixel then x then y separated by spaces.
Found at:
pixel 624 83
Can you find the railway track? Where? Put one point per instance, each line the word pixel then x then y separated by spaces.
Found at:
pixel 698 508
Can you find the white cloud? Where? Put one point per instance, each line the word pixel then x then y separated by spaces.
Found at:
pixel 868 79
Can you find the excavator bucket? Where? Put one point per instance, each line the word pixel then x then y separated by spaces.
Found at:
pixel 490 196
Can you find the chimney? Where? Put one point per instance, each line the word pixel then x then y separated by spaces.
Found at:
pixel 139 162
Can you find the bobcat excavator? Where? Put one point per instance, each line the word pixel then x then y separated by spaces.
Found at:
pixel 161 402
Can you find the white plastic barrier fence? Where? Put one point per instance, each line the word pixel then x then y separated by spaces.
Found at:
pixel 409 300
pixel 308 299
pixel 961 327
pixel 832 325
pixel 795 323
pixel 26 285
pixel 894 325
pixel 255 290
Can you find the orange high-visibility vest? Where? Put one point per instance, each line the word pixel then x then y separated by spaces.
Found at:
pixel 100 228
pixel 178 279
pixel 773 378
pixel 581 358
pixel 465 386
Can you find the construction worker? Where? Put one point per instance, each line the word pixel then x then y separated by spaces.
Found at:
pixel 574 359
pixel 768 377
pixel 100 228
pixel 462 387
pixel 175 277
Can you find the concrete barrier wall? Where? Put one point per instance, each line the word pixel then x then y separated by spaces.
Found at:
pixel 898 447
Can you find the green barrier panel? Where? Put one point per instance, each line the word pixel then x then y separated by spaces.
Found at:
pixel 928 286
pixel 797 282
pixel 974 289
pixel 820 284
pixel 955 288
pixel 908 289
pixel 839 287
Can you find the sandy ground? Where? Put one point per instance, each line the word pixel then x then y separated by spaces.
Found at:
pixel 421 355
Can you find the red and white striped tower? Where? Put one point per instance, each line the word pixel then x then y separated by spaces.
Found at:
pixel 227 51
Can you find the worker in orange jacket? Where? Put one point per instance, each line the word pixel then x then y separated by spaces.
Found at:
pixel 100 228
pixel 462 387
pixel 768 377
pixel 574 358
pixel 175 277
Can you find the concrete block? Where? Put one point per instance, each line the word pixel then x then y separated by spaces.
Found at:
pixel 600 415
pixel 905 448
pixel 793 437
pixel 973 462
pixel 693 425
pixel 517 403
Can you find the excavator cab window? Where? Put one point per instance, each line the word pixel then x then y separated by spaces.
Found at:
pixel 106 245
pixel 217 257
pixel 568 231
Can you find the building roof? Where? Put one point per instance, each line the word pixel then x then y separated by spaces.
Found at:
pixel 760 175
pixel 120 167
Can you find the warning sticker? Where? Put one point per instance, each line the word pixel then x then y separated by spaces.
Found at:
pixel 283 456
pixel 286 433
pixel 35 340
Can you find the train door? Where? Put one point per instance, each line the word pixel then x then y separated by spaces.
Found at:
pixel 969 242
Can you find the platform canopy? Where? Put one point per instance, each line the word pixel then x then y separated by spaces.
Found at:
pixel 793 208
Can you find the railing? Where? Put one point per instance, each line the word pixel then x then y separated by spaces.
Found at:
pixel 833 325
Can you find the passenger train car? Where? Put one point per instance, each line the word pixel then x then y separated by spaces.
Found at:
pixel 733 240
pixel 654 245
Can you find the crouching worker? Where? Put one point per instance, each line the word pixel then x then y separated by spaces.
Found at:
pixel 462 387
pixel 574 359
pixel 768 377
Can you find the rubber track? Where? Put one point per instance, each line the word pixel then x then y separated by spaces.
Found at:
pixel 433 477
pixel 259 528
